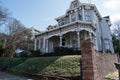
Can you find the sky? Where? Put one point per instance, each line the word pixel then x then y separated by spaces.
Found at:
pixel 42 13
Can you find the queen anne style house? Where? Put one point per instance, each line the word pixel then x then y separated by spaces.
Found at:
pixel 82 21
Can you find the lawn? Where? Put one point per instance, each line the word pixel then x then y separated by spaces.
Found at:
pixel 7 63
pixel 62 65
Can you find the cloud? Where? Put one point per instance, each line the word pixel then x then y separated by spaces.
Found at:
pixel 112 8
pixel 111 4
pixel 49 18
pixel 115 17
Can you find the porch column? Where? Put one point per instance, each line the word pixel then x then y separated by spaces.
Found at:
pixel 46 50
pixel 70 41
pixel 44 44
pixel 35 46
pixel 60 41
pixel 90 35
pixel 39 43
pixel 96 44
pixel 78 36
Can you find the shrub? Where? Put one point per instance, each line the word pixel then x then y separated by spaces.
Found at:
pixel 24 54
pixel 61 51
pixel 30 53
pixel 2 51
pixel 36 53
pixel 65 51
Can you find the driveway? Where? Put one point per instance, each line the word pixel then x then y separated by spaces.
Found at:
pixel 7 76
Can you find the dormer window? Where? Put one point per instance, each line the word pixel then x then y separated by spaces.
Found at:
pixel 75 5
pixel 62 22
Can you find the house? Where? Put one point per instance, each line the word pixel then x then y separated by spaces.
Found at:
pixel 28 43
pixel 2 40
pixel 82 21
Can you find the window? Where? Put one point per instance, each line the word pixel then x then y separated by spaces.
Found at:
pixel 59 23
pixel 63 42
pixel 73 17
pixel 87 12
pixel 75 5
pixel 87 16
pixel 107 47
pixel 80 15
pixel 62 22
pixel 66 20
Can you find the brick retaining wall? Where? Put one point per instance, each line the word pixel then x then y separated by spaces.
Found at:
pixel 96 65
pixel 105 63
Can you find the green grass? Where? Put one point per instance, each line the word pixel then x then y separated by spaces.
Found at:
pixel 10 62
pixel 112 75
pixel 64 65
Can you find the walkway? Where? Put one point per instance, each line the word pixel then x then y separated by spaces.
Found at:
pixel 7 76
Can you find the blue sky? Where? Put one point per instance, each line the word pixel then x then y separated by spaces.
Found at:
pixel 41 13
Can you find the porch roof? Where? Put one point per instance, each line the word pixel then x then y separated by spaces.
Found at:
pixel 73 23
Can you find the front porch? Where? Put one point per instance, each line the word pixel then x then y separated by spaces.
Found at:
pixel 70 39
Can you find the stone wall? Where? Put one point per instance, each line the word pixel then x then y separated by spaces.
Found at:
pixel 96 65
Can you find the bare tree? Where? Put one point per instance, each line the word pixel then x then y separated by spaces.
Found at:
pixel 116 41
pixel 4 15
pixel 3 19
pixel 16 35
pixel 116 38
pixel 13 34
pixel 116 30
